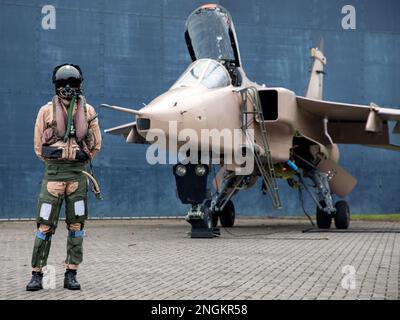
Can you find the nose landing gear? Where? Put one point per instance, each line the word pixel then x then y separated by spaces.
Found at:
pixel 227 215
pixel 191 183
pixel 201 219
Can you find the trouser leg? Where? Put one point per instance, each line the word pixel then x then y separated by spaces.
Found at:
pixel 74 246
pixel 47 215
pixel 41 250
pixel 76 214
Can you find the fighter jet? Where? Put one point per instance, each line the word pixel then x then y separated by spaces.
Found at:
pixel 281 135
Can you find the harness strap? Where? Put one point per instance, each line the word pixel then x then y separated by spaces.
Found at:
pixel 85 110
pixel 53 120
pixel 68 130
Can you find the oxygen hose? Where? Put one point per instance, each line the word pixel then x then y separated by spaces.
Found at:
pixel 69 123
pixel 96 187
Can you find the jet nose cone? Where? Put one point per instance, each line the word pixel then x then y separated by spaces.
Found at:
pixel 157 119
pixel 177 108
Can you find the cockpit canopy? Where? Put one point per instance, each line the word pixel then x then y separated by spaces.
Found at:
pixel 205 72
pixel 210 34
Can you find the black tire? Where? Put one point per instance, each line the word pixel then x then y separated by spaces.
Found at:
pixel 342 216
pixel 214 220
pixel 324 220
pixel 227 216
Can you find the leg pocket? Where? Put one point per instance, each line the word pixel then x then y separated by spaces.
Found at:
pixel 76 204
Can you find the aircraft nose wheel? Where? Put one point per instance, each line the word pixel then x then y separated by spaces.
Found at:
pixel 201 218
pixel 227 215
pixel 214 219
pixel 342 216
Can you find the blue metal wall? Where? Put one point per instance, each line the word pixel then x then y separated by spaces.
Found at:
pixel 133 50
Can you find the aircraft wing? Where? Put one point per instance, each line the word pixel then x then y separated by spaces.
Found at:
pixel 122 129
pixel 129 131
pixel 344 111
pixel 391 147
pixel 353 123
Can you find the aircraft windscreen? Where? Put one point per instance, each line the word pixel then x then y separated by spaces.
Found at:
pixel 209 34
pixel 206 72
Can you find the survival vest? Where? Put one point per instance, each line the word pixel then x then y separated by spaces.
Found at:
pixel 78 145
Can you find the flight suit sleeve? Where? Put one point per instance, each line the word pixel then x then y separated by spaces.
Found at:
pixel 94 127
pixel 37 137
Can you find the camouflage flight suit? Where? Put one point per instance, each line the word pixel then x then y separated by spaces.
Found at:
pixel 63 179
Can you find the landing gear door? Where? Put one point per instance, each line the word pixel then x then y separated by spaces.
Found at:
pixel 210 34
pixel 341 182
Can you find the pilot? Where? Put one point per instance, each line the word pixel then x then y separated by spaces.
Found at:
pixel 234 73
pixel 66 137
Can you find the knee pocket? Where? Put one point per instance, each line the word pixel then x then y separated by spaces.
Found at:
pixel 48 206
pixel 76 203
pixel 47 211
pixel 76 210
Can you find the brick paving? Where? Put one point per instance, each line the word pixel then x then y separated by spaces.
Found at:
pixel 258 259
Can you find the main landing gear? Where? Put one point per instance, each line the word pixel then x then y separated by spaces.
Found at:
pixel 341 216
pixel 326 211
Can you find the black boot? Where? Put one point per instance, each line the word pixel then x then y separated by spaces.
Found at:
pixel 36 282
pixel 70 281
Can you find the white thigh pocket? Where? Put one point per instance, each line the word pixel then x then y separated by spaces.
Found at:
pixel 45 211
pixel 79 207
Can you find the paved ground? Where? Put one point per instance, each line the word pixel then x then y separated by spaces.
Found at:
pixel 258 259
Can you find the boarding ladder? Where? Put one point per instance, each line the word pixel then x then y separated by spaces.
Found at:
pixel 251 110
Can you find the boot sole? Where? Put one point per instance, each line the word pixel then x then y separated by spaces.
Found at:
pixel 33 289
pixel 70 288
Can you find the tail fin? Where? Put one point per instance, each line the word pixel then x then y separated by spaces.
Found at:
pixel 315 85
